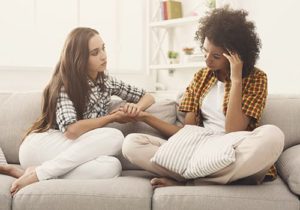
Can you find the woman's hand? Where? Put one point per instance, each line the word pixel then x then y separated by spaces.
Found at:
pixel 121 117
pixel 236 66
pixel 131 109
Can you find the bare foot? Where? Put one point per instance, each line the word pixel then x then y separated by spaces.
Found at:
pixel 27 178
pixel 164 182
pixel 11 170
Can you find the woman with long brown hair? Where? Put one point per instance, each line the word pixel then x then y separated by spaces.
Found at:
pixel 68 140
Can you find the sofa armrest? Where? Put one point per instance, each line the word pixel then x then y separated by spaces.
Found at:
pixel 288 168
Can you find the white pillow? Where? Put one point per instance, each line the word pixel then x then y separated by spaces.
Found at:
pixel 195 152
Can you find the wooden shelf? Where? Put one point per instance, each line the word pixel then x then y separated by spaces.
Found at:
pixel 175 22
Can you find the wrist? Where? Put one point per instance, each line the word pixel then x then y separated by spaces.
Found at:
pixel 144 116
pixel 111 117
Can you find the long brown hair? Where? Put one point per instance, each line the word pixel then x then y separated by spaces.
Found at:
pixel 70 73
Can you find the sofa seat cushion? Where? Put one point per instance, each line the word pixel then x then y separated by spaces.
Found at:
pixel 5 195
pixel 271 195
pixel 288 167
pixel 138 173
pixel 119 194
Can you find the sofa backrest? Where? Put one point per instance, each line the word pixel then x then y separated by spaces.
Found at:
pixel 19 110
pixel 284 112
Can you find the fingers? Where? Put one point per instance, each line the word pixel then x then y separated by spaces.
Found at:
pixel 131 109
pixel 232 56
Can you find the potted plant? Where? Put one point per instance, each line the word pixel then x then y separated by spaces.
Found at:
pixel 211 4
pixel 173 57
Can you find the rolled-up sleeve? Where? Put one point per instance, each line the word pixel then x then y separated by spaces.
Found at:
pixel 65 111
pixel 254 99
pixel 125 91
pixel 189 102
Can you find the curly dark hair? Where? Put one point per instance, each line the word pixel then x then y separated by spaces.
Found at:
pixel 229 29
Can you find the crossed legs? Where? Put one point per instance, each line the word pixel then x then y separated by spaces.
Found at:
pixel 50 155
pixel 255 154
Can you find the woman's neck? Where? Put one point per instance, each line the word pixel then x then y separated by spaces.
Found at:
pixel 222 75
pixel 93 77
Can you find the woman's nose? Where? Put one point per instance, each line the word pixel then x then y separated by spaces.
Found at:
pixel 207 58
pixel 102 56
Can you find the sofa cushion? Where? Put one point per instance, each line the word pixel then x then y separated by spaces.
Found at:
pixel 288 167
pixel 284 112
pixel 197 152
pixel 122 193
pixel 5 195
pixel 271 195
pixel 18 112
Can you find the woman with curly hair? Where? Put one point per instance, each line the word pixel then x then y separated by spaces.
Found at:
pixel 226 99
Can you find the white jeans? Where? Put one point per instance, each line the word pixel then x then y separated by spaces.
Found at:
pixel 88 157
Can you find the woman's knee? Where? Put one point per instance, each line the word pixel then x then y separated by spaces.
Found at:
pixel 111 167
pixel 116 139
pixel 99 132
pixel 130 145
pixel 273 137
pixel 112 139
pixel 29 150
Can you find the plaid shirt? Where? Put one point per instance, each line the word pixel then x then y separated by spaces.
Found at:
pixel 254 94
pixel 98 103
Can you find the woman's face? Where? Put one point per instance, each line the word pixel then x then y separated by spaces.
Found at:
pixel 214 57
pixel 97 56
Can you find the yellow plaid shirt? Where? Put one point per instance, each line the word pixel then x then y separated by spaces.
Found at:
pixel 254 95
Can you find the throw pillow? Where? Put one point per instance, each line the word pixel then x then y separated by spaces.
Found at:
pixel 195 152
pixel 288 168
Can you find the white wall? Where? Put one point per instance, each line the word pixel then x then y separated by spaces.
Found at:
pixel 278 27
pixel 276 23
pixel 33 33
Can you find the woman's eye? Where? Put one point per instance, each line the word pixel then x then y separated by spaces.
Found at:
pixel 94 53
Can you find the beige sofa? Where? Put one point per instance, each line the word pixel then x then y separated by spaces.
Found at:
pixel 132 190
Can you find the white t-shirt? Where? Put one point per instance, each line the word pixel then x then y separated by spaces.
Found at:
pixel 212 108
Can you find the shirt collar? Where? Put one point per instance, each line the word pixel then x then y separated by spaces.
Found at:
pixel 92 83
